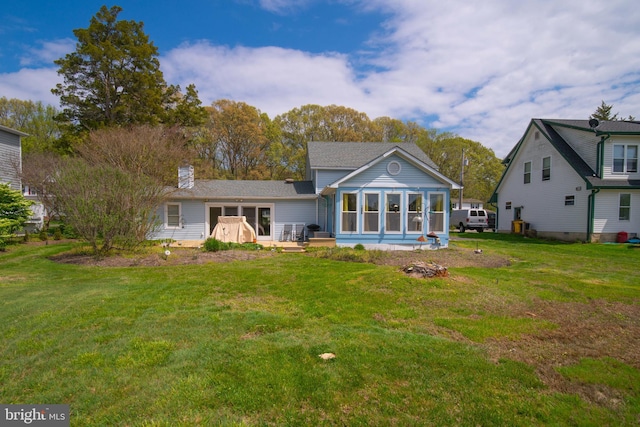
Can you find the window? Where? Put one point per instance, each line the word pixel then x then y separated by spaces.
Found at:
pixel 392 214
pixel 527 172
pixel 624 210
pixel 371 212
pixel 569 200
pixel 394 167
pixel 173 215
pixel 414 212
pixel 625 158
pixel 507 206
pixel 436 212
pixel 546 168
pixel 258 217
pixel 349 212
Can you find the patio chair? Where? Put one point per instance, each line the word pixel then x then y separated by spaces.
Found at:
pixel 299 232
pixel 286 232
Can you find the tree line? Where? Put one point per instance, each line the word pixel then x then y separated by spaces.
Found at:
pixel 121 129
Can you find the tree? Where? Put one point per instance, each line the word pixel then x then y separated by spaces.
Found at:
pixel 106 205
pixel 14 210
pixel 603 113
pixel 33 118
pixel 238 133
pixel 113 77
pixel 154 151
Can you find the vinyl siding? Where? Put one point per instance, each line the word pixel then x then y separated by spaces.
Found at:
pixel 327 177
pixel 379 176
pixel 9 154
pixel 606 212
pixel 607 170
pixel 543 202
pixel 194 217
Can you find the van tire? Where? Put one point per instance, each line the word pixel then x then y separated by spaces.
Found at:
pixel 461 227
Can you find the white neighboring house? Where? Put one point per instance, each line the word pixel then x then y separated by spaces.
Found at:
pixel 467 204
pixel 573 180
pixel 10 157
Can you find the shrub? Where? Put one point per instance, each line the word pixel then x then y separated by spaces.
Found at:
pixel 215 245
pixel 43 235
pixel 57 235
pixel 359 247
pixel 3 245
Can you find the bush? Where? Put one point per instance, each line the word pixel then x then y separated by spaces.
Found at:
pixel 57 235
pixel 3 245
pixel 215 245
pixel 359 247
pixel 43 235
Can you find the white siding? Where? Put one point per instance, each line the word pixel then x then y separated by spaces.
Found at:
pixel 606 213
pixel 607 172
pixel 543 202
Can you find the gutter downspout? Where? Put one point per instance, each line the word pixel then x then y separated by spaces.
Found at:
pixel 591 213
pixel 600 154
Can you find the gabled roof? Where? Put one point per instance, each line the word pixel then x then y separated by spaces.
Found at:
pixel 395 150
pixel 245 189
pixel 548 128
pixel 352 155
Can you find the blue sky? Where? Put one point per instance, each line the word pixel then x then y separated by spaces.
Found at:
pixel 479 69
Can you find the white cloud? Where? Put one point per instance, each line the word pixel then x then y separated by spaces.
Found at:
pixel 482 69
pixel 48 52
pixel 30 84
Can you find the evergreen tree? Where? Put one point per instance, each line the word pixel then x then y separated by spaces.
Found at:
pixel 113 78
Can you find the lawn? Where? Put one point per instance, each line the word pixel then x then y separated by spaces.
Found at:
pixel 551 339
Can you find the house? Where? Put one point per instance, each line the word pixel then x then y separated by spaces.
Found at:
pixel 10 156
pixel 10 169
pixel 572 180
pixel 380 195
pixel 467 204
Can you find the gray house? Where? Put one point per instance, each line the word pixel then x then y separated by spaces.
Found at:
pixel 10 156
pixel 382 195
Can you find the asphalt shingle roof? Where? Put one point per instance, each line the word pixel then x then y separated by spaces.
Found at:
pixel 352 155
pixel 221 189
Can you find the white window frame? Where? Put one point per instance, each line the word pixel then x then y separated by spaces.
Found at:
pixel 366 213
pixel 625 159
pixel 166 215
pixel 548 178
pixel 627 208
pixel 442 212
pixel 414 214
pixel 400 216
pixel 527 173
pixel 354 213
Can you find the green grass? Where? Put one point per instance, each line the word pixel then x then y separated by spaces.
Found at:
pixel 238 343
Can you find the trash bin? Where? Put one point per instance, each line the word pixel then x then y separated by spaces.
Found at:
pixel 623 236
pixel 517 226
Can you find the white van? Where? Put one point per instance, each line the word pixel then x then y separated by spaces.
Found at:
pixel 474 219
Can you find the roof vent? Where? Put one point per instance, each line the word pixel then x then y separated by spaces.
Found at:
pixel 289 180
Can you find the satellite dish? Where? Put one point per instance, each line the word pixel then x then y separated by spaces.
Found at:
pixel 593 123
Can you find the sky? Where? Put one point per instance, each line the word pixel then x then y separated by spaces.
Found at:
pixel 479 69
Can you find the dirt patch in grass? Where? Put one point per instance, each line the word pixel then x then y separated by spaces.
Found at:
pixel 595 330
pixel 458 257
